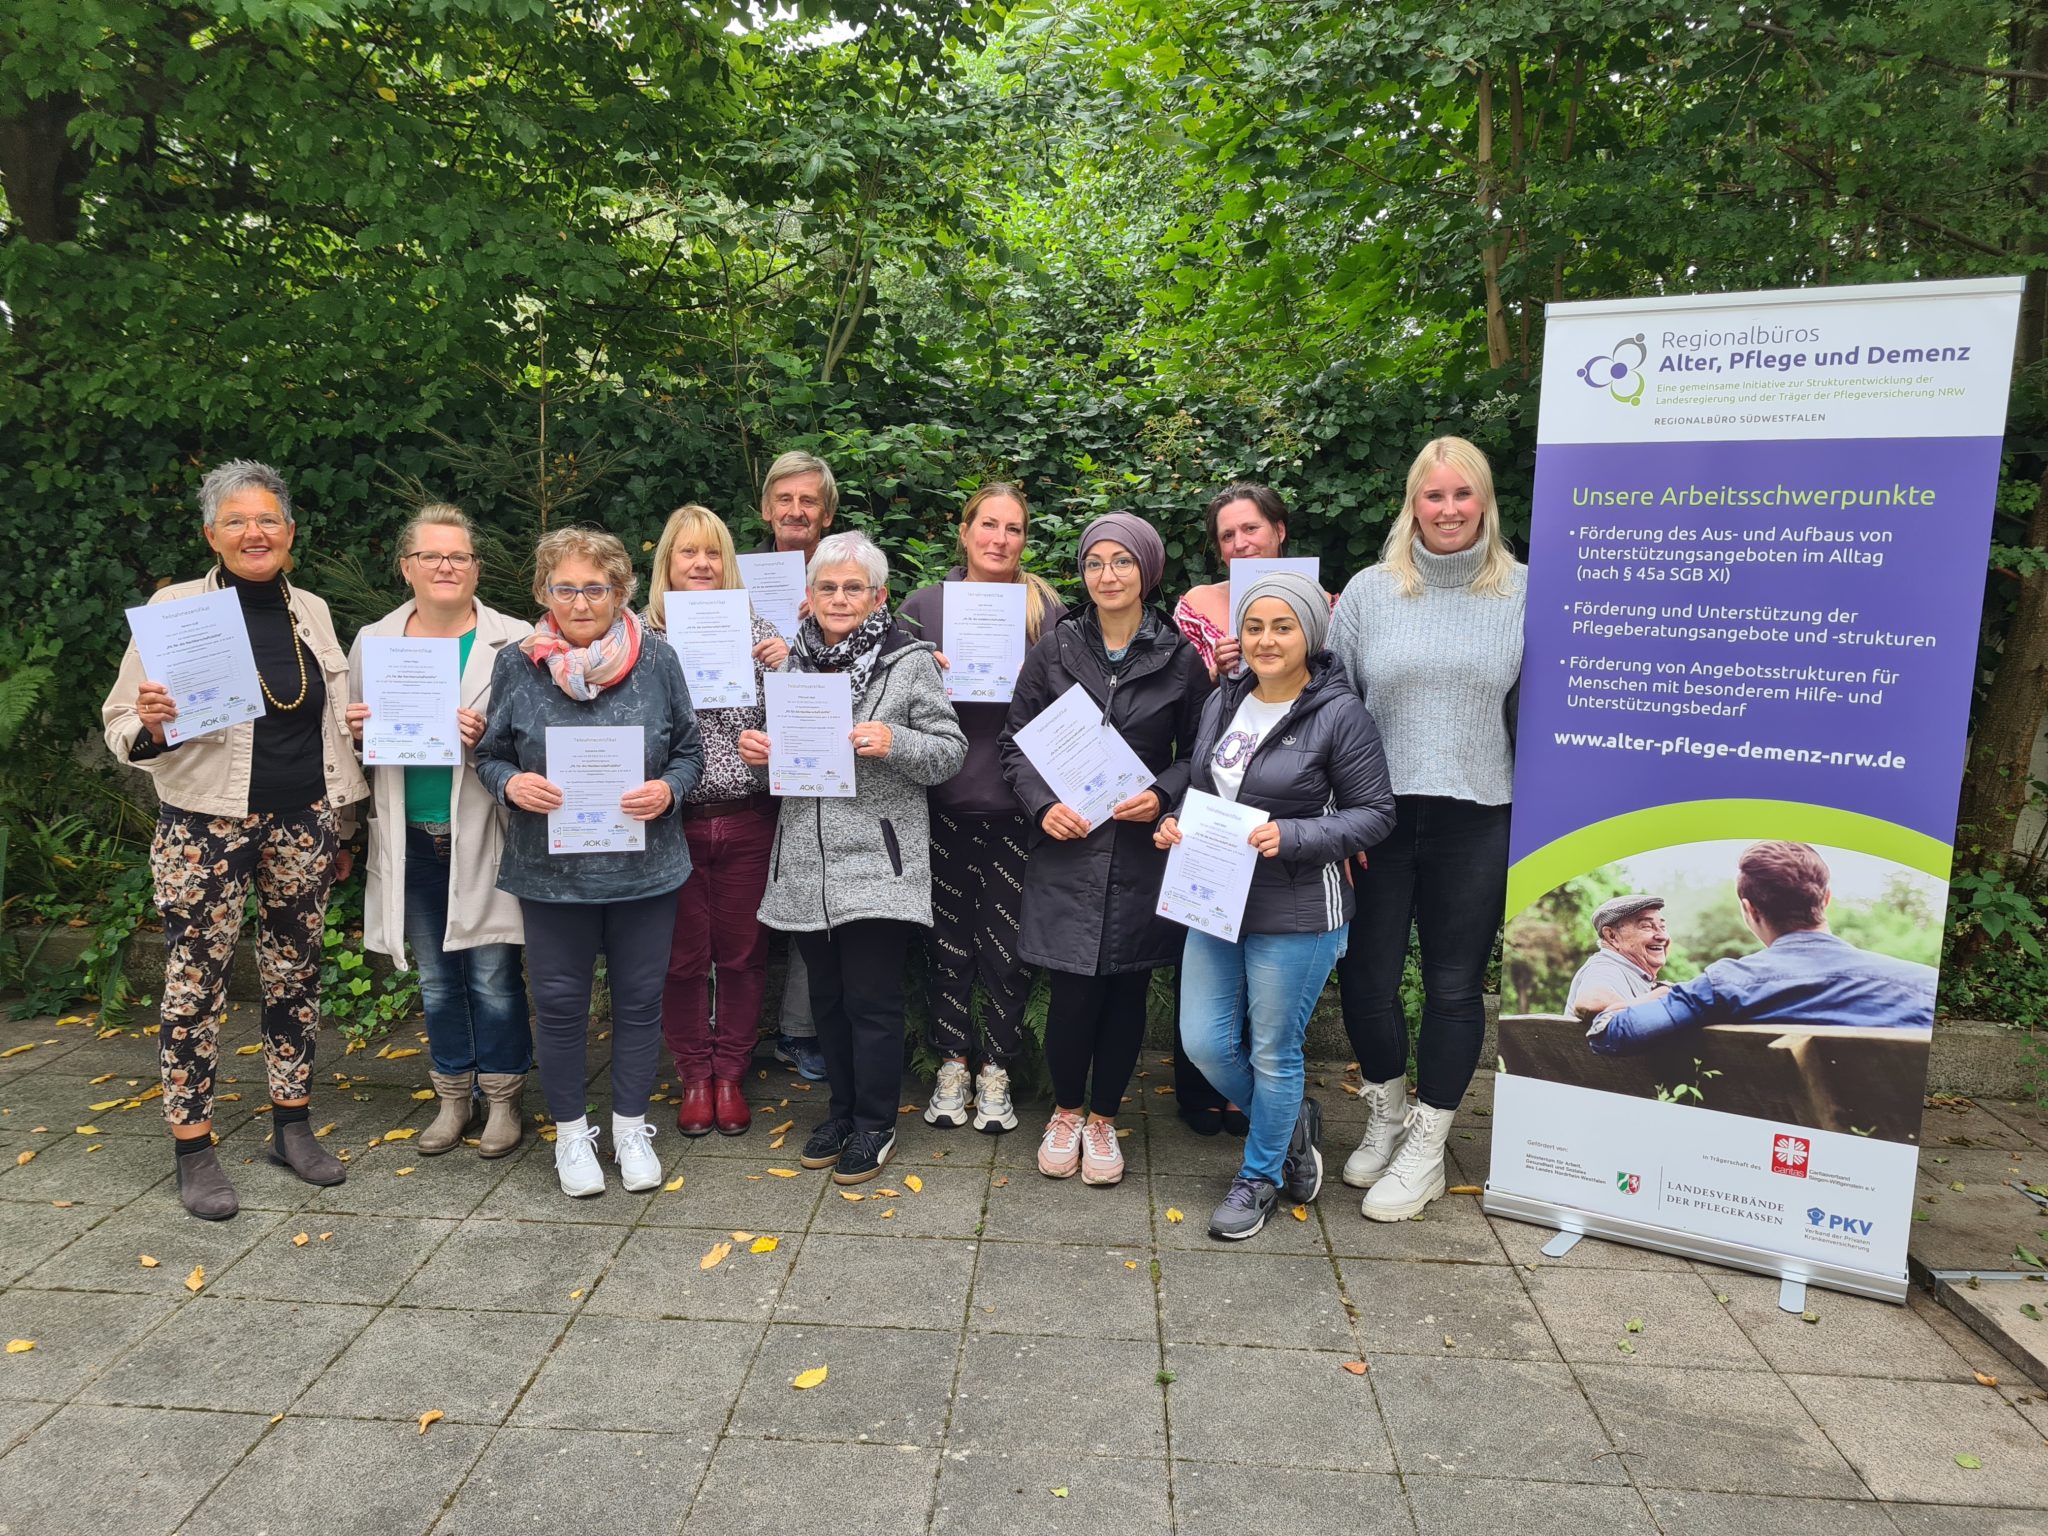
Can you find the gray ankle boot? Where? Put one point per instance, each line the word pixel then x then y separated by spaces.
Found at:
pixel 293 1146
pixel 203 1187
pixel 502 1128
pixel 454 1089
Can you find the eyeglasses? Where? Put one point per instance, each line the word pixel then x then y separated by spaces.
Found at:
pixel 270 525
pixel 1123 565
pixel 592 594
pixel 448 562
pixel 853 590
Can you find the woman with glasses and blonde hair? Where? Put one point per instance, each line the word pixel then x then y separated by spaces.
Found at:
pixel 980 840
pixel 591 662
pixel 729 824
pixel 1431 638
pixel 435 838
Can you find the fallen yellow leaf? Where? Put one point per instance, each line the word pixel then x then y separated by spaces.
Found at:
pixel 1355 1367
pixel 1299 1213
pixel 23 1346
pixel 399 1173
pixel 197 1279
pixel 764 1245
pixel 423 1095
pixel 300 1239
pixel 887 1194
pixel 886 1215
pixel 16 1050
pixel 326 1129
pixel 1983 1380
pixel 776 1144
pixel 277 1418
pixel 148 1261
pixel 248 1050
pixel 743 1237
pixel 63 1205
pixel 783 1173
pixel 1464 1189
pixel 1130 1263
pixel 405 1135
pixel 913 1183
pixel 674 1184
pixel 717 1256
pixel 431 1416
pixel 154 1093
pixel 778 1130
pixel 104 1105
pixel 803 1383
pixel 410 1050
pixel 576 1295
pixel 104 1077
pixel 324 1236
pixel 851 1194
pixel 1175 1215
pixel 87 1130
pixel 21 1158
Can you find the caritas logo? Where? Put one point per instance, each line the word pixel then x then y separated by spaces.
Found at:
pixel 1788 1155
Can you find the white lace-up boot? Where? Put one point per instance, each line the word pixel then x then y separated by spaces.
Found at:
pixel 1386 1110
pixel 1416 1175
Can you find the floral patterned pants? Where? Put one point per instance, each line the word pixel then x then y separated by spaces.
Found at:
pixel 204 867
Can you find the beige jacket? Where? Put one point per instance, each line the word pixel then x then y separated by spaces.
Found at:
pixel 210 774
pixel 478 912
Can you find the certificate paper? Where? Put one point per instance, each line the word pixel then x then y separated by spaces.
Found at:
pixel 198 648
pixel 810 730
pixel 714 638
pixel 593 766
pixel 984 629
pixel 1209 871
pixel 412 688
pixel 1086 763
pixel 1245 572
pixel 775 582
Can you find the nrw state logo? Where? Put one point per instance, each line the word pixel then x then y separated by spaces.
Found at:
pixel 1789 1155
pixel 1619 372
pixel 1629 1183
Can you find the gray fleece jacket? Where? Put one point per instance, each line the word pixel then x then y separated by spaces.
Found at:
pixel 868 855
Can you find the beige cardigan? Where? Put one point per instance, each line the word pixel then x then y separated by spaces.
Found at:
pixel 210 774
pixel 478 912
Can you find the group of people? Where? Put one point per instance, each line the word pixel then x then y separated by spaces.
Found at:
pixel 1372 730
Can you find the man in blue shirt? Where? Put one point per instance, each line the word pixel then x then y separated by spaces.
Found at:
pixel 1804 977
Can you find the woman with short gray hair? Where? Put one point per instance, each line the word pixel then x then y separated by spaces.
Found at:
pixel 255 806
pixel 851 877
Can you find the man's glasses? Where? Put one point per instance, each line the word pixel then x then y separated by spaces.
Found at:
pixel 447 562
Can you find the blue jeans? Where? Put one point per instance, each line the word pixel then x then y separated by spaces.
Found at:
pixel 1271 980
pixel 475 999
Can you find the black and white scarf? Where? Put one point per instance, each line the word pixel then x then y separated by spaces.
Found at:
pixel 855 655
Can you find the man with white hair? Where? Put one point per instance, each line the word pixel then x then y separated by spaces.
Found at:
pixel 1623 970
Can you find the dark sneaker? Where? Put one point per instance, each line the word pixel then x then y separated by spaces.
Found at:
pixel 802 1053
pixel 826 1143
pixel 1244 1210
pixel 1302 1171
pixel 865 1153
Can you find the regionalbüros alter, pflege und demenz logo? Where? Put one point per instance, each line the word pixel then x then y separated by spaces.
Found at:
pixel 1620 371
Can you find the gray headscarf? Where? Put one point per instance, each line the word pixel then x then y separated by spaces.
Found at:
pixel 1136 535
pixel 1311 607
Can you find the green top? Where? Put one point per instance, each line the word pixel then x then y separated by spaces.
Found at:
pixel 430 792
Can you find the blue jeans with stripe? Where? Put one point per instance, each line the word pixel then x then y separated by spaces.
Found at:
pixel 1272 982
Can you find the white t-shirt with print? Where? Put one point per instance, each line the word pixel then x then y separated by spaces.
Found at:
pixel 1248 727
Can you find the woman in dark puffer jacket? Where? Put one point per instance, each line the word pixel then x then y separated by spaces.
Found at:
pixel 1291 739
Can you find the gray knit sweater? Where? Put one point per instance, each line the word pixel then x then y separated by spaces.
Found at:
pixel 1435 670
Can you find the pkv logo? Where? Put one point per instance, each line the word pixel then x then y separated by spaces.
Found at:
pixel 1619 372
pixel 1815 1216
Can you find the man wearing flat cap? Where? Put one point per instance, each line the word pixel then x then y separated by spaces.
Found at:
pixel 1623 970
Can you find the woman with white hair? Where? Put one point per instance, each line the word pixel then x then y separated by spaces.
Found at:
pixel 850 877
pixel 256 806
pixel 1432 639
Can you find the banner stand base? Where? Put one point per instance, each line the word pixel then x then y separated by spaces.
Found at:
pixel 1792 1296
pixel 1574 1223
pixel 1561 1244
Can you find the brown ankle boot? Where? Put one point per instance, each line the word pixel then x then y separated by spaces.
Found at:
pixel 502 1127
pixel 452 1118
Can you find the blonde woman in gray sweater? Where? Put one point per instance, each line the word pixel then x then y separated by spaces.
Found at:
pixel 1432 639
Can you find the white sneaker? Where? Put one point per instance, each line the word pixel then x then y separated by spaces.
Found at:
pixel 1386 1109
pixel 949 1096
pixel 993 1111
pixel 633 1149
pixel 1416 1175
pixel 576 1163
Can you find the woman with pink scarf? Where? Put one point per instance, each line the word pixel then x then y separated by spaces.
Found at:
pixel 591 662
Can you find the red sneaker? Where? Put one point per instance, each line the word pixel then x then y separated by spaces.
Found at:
pixel 693 1109
pixel 731 1112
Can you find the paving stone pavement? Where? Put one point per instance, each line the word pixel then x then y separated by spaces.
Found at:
pixel 1003 1353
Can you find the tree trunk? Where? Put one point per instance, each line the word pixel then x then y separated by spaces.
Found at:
pixel 41 170
pixel 2033 101
pixel 1498 350
pixel 2002 746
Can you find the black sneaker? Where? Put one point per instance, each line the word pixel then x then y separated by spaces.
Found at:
pixel 826 1143
pixel 1302 1171
pixel 1244 1210
pixel 865 1153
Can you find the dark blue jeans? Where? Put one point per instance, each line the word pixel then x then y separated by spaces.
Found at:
pixel 1443 870
pixel 475 999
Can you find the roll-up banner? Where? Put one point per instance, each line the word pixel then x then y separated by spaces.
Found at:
pixel 1756 576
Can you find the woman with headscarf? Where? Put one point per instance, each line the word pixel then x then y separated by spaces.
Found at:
pixel 1089 900
pixel 1290 738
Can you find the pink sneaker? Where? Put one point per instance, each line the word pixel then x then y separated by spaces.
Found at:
pixel 1102 1160
pixel 1059 1153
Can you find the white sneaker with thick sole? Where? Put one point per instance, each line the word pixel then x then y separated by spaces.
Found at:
pixel 576 1163
pixel 948 1106
pixel 1386 1111
pixel 993 1111
pixel 1416 1175
pixel 639 1168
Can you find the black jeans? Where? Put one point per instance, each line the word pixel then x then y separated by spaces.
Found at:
pixel 1443 869
pixel 562 941
pixel 856 973
pixel 1096 1021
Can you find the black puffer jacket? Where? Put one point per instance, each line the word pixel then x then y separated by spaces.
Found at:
pixel 1088 904
pixel 1320 774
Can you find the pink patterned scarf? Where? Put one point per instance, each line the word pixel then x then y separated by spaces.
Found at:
pixel 585 671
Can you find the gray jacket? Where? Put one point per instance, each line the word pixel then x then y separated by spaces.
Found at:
pixel 868 855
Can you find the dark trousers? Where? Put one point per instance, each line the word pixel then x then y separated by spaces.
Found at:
pixel 1443 870
pixel 856 973
pixel 977 901
pixel 474 999
pixel 563 939
pixel 716 926
pixel 1094 1028
pixel 1193 1093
